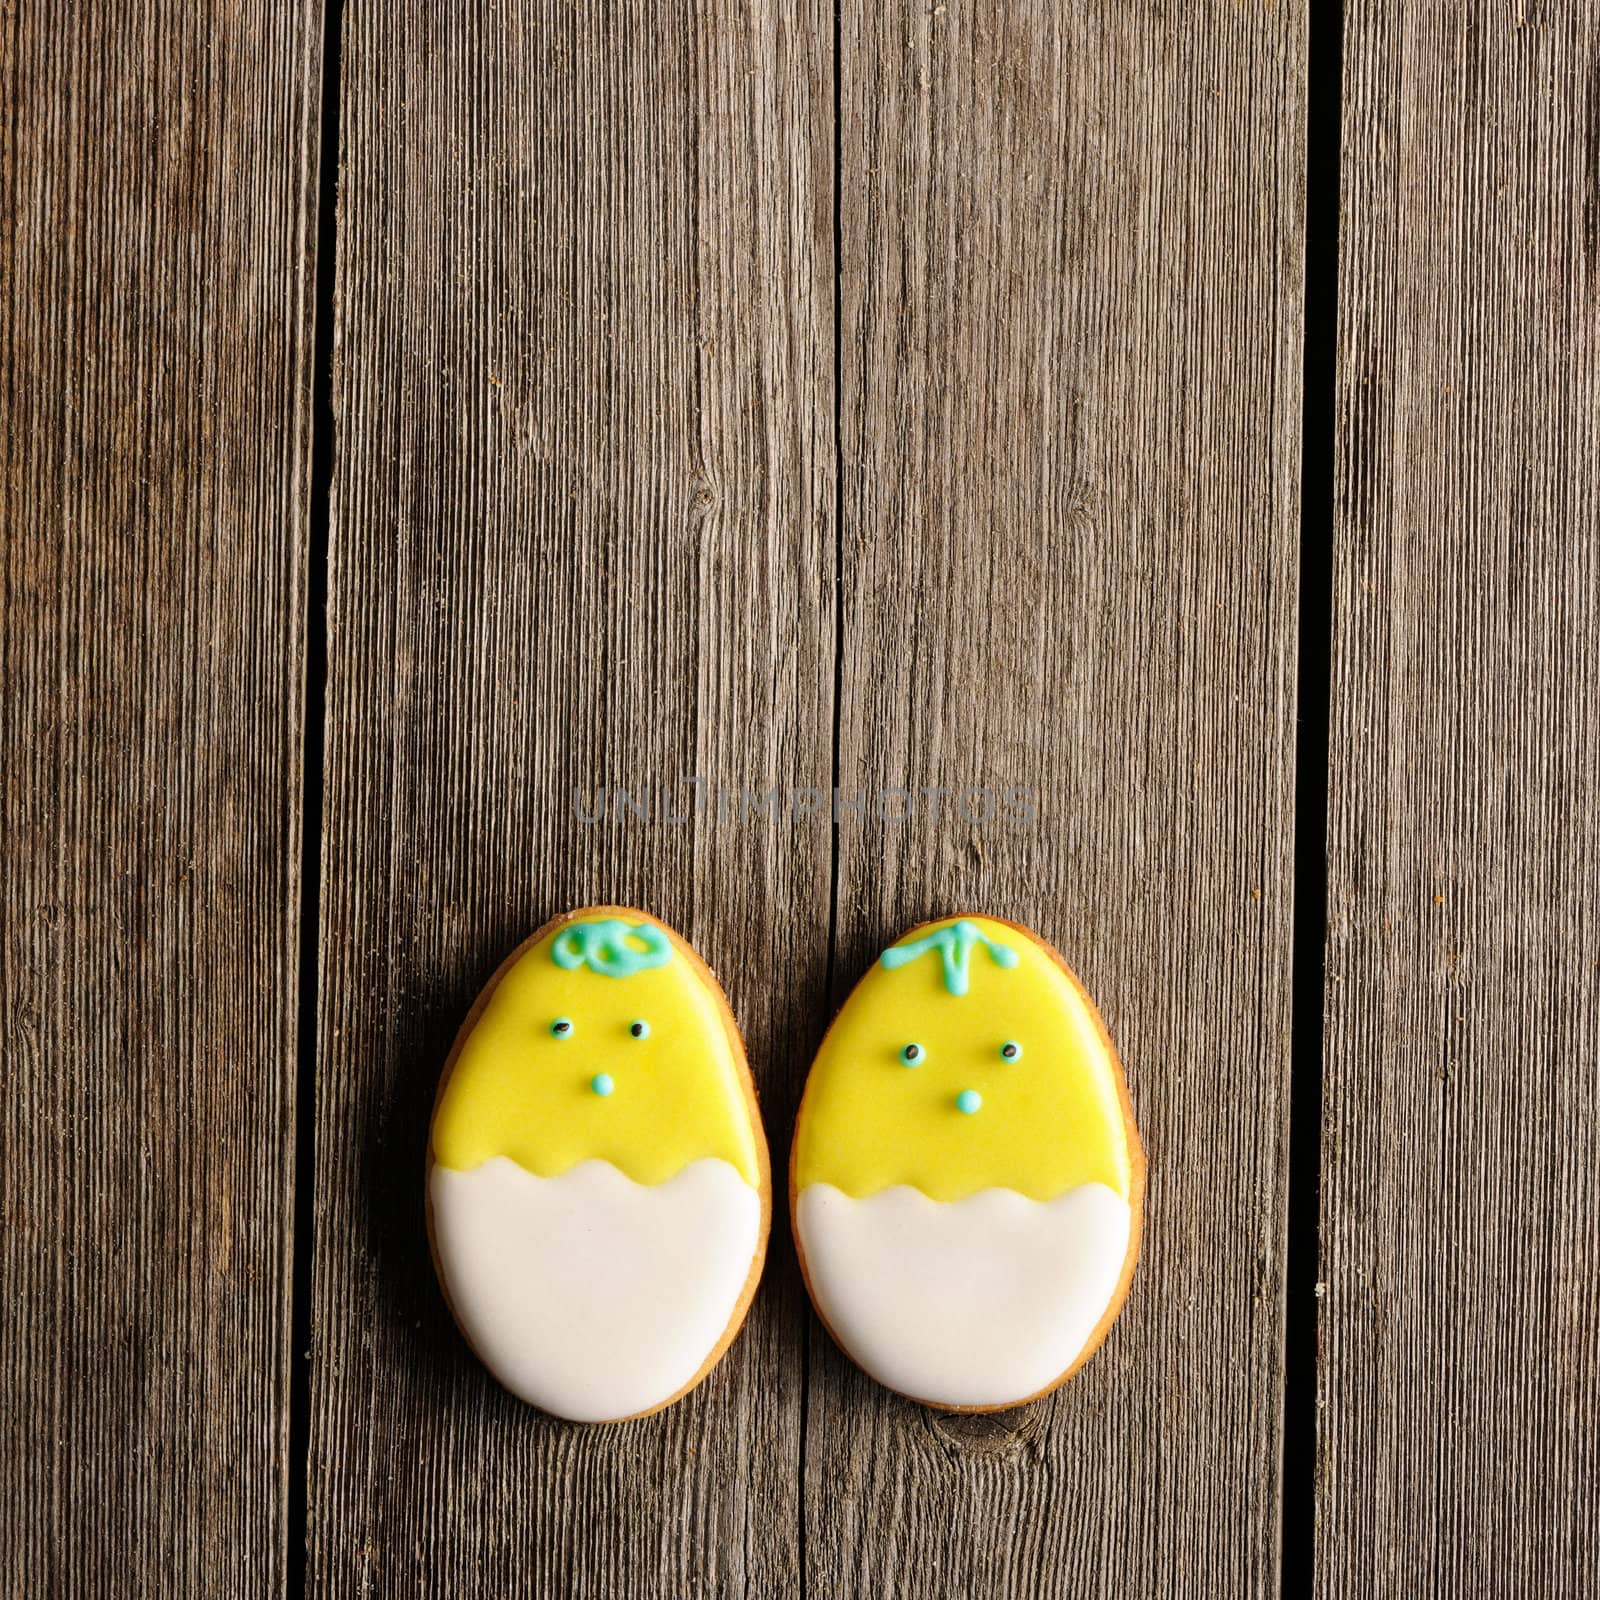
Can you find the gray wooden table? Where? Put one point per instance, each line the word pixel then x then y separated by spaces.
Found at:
pixel 419 416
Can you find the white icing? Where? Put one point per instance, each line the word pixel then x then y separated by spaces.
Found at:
pixel 590 1295
pixel 975 1302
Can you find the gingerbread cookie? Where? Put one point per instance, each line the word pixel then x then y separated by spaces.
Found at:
pixel 598 1185
pixel 966 1181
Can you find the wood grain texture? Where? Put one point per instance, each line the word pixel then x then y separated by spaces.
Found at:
pixel 157 190
pixel 1461 1202
pixel 582 538
pixel 1071 258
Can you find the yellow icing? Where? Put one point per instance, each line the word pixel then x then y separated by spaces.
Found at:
pixel 1049 1121
pixel 517 1091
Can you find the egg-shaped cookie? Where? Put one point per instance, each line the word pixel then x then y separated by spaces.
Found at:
pixel 966 1180
pixel 598 1186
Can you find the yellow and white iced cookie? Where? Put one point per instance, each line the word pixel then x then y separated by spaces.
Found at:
pixel 967 1180
pixel 598 1187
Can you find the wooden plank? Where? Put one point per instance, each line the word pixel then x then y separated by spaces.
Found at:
pixel 1070 395
pixel 582 536
pixel 1461 1314
pixel 157 197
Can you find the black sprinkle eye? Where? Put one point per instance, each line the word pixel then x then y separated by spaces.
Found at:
pixel 1011 1051
pixel 912 1055
pixel 561 1028
pixel 639 1029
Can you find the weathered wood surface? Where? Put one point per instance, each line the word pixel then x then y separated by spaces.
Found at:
pixel 582 536
pixel 1070 399
pixel 157 185
pixel 1461 1199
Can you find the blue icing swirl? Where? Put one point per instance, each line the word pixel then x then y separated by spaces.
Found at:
pixel 611 947
pixel 954 944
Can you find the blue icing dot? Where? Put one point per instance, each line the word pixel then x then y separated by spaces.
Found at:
pixel 639 1029
pixel 1011 1051
pixel 968 1101
pixel 912 1055
pixel 601 1084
